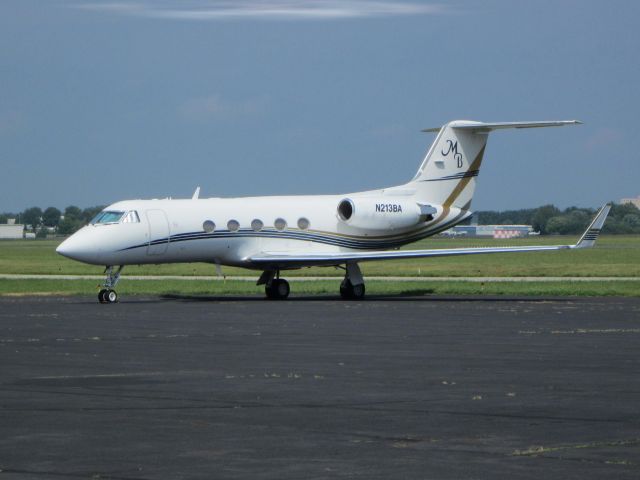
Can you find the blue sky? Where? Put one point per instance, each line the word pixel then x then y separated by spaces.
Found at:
pixel 103 101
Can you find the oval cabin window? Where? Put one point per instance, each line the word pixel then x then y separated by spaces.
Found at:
pixel 303 223
pixel 256 225
pixel 280 224
pixel 208 226
pixel 233 225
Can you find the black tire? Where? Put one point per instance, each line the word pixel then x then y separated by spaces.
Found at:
pixel 348 291
pixel 270 291
pixel 101 298
pixel 282 289
pixel 357 291
pixel 111 296
pixel 278 290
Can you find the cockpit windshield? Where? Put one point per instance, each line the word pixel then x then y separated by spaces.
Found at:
pixel 107 217
pixel 131 217
pixel 112 216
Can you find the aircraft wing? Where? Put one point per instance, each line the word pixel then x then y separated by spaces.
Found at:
pixel 302 259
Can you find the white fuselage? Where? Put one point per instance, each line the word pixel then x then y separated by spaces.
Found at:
pixel 180 230
pixel 284 232
pixel 287 232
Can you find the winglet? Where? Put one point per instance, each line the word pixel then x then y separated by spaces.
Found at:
pixel 196 194
pixel 589 237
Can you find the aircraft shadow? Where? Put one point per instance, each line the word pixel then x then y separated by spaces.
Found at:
pixel 417 295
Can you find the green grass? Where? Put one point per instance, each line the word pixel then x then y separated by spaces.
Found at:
pixel 614 256
pixel 322 287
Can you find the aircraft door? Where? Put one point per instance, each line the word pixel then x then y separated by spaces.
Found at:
pixel 158 232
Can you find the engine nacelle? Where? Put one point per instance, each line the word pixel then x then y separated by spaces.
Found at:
pixel 383 213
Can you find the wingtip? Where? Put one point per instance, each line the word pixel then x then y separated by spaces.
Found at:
pixel 590 235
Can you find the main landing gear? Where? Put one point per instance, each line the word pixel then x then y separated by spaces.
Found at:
pixel 108 294
pixel 275 287
pixel 278 290
pixel 349 291
pixel 351 288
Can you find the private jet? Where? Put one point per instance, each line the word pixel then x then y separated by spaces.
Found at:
pixel 273 234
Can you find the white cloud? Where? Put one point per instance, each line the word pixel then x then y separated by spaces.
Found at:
pixel 266 10
pixel 215 107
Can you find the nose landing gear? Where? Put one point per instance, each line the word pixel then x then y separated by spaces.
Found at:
pixel 108 294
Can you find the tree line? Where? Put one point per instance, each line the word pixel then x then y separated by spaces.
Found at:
pixel 548 219
pixel 41 222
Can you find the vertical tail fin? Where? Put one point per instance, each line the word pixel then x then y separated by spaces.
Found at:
pixel 448 172
pixel 447 175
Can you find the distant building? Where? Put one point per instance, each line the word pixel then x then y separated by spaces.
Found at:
pixel 11 230
pixel 634 201
pixel 491 231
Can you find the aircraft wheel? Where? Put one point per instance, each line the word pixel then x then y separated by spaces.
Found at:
pixel 270 291
pixel 111 296
pixel 358 291
pixel 348 291
pixel 101 296
pixel 278 290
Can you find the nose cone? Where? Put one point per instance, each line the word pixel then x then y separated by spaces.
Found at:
pixel 81 246
pixel 66 248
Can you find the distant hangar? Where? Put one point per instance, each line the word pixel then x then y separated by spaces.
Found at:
pixel 491 231
pixel 11 230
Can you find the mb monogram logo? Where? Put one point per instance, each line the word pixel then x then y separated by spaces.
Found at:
pixel 453 148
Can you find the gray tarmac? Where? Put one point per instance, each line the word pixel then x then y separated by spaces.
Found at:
pixel 394 387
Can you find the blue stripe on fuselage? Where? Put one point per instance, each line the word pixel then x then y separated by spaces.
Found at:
pixel 359 243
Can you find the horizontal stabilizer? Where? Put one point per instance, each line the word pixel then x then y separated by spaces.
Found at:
pixel 488 127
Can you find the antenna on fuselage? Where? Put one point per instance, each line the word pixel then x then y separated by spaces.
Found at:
pixel 196 194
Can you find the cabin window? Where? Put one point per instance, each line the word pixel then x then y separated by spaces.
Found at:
pixel 131 217
pixel 256 225
pixel 107 216
pixel 303 223
pixel 233 225
pixel 208 226
pixel 280 224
